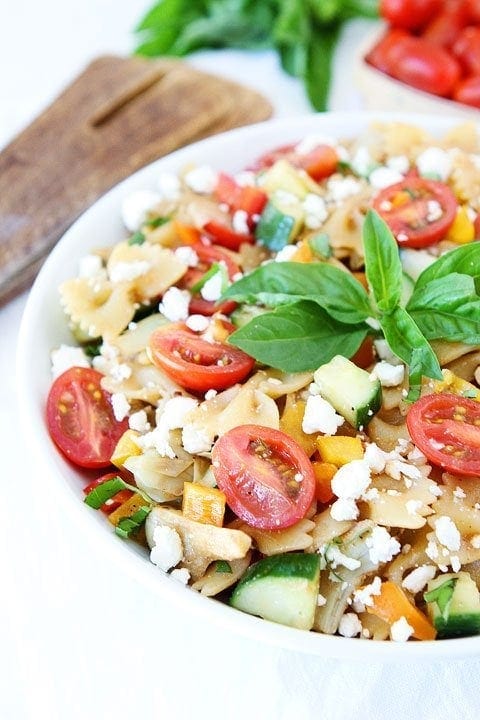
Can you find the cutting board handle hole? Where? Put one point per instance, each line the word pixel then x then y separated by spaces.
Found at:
pixel 108 110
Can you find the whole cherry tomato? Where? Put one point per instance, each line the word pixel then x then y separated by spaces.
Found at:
pixel 466 48
pixel 409 14
pixel 445 27
pixel 415 62
pixel 473 9
pixel 468 91
pixel 379 54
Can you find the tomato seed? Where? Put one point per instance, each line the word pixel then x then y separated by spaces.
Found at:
pixel 458 417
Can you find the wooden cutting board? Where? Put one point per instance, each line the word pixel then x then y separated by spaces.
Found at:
pixel 117 116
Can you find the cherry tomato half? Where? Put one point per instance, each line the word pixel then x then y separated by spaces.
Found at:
pixel 114 502
pixel 468 92
pixel 80 418
pixel 418 63
pixel 267 478
pixel 250 199
pixel 466 49
pixel 419 212
pixel 446 428
pixel 207 255
pixel 409 14
pixel 225 236
pixel 195 363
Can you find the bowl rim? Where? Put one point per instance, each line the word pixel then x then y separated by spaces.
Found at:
pixel 144 573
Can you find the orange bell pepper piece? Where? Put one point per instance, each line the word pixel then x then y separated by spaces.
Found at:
pixel 392 604
pixel 324 472
pixel 188 234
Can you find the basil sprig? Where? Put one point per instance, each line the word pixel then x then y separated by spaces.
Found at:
pixel 321 311
pixel 127 525
pixel 442 595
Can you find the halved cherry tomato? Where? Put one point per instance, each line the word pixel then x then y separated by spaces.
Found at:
pixel 267 478
pixel 378 56
pixel 250 199
pixel 114 502
pixel 80 418
pixel 466 49
pixel 408 206
pixel 207 255
pixel 225 236
pixel 446 428
pixel 418 63
pixel 468 92
pixel 444 28
pixel 409 14
pixel 319 163
pixel 195 363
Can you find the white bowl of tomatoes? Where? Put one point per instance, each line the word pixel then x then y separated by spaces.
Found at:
pixel 426 58
pixel 44 327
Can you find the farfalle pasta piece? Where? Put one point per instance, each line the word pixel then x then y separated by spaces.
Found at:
pixel 295 538
pixel 344 226
pixel 464 136
pixel 398 138
pixel 162 478
pixel 397 506
pixel 465 178
pixel 214 582
pixel 327 529
pixel 146 383
pixel 99 309
pixel 150 269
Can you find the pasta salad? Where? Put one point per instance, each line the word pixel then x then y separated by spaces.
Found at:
pixel 275 378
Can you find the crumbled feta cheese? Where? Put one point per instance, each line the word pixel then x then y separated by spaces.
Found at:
pixel 389 375
pixel 181 575
pixel 375 458
pixel 169 186
pixel 371 494
pixel 399 163
pixel 384 353
pixel 195 440
pixel 171 416
pixel 339 189
pixel 187 256
pixel 90 266
pixel 362 162
pixel 66 357
pixel 396 468
pixel 459 492
pixel 202 179
pixel 320 416
pixel 351 480
pixel 240 222
pixel 120 371
pixel 311 142
pixel 364 595
pixel 400 630
pixel 383 177
pixel 432 550
pixel 120 405
pixel 315 211
pixel 128 271
pixel 434 210
pixel 455 563
pixel 475 542
pixel 416 580
pixel 138 421
pixel 197 323
pixel 212 289
pixel 413 506
pixel 245 178
pixel 167 550
pixel 382 546
pixel 335 557
pixel 447 532
pixel 435 490
pixel 435 161
pixel 286 253
pixel 136 206
pixel 321 600
pixel 416 456
pixel 210 394
pixel 175 304
pixel 349 625
pixel 344 509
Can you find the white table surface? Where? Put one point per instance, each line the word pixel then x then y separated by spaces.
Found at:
pixel 78 640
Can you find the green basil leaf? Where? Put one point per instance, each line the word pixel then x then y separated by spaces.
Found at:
pixel 320 245
pixel 137 238
pixel 447 308
pixel 157 222
pixel 128 525
pixel 297 337
pixel 407 342
pixel 464 260
pixel 222 566
pixel 282 283
pixel 382 262
pixel 319 65
pixel 442 595
pixel 104 492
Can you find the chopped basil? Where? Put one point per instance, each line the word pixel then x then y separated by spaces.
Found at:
pixel 99 495
pixel 442 595
pixel 213 270
pixel 128 525
pixel 137 238
pixel 92 349
pixel 157 222
pixel 222 566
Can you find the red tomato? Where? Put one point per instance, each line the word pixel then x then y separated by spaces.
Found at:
pixel 195 363
pixel 446 428
pixel 477 225
pixel 319 163
pixel 114 502
pixel 444 28
pixel 468 92
pixel 407 205
pixel 272 156
pixel 225 236
pixel 379 54
pixel 409 14
pixel 267 478
pixel 473 10
pixel 207 255
pixel 467 49
pixel 80 418
pixel 416 62
pixel 250 199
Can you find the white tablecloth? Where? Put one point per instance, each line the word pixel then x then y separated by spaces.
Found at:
pixel 78 640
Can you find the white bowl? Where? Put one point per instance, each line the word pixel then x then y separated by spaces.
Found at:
pixel 44 327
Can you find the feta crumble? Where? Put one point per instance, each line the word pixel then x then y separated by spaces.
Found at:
pixel 320 416
pixel 240 222
pixel 400 630
pixel 382 546
pixel 175 303
pixel 197 323
pixel 167 550
pixel 334 556
pixel 339 189
pixel 417 579
pixel 413 506
pixel 138 421
pixel 169 186
pixel 187 256
pixel 195 440
pixel 136 206
pixel 389 375
pixel 384 353
pixel 383 176
pixel 212 289
pixel 315 211
pixel 171 417
pixel 364 596
pixel 435 161
pixel 286 253
pixel 344 509
pixel 66 357
pixel 351 480
pixel 90 266
pixel 349 625
pixel 447 533
pixel 181 575
pixel 120 406
pixel 128 271
pixel 202 179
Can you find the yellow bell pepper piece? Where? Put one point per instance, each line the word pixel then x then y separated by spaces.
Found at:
pixel 125 448
pixel 127 509
pixel 462 229
pixel 339 449
pixel 291 424
pixel 303 253
pixel 203 504
pixel 454 384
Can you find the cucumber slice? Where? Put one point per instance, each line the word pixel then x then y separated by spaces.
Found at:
pixel 453 602
pixel 278 225
pixel 283 176
pixel 350 390
pixel 281 588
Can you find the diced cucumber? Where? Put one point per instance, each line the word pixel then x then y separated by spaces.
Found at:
pixel 283 176
pixel 281 588
pixel 408 286
pixel 278 224
pixel 453 602
pixel 243 314
pixel 350 390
